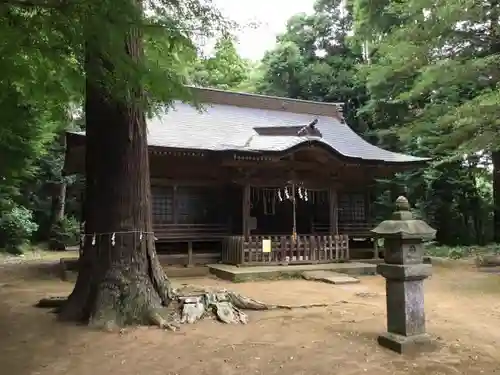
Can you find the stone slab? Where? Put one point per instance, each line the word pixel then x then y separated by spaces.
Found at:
pixel 407 345
pixel 250 273
pixel 330 277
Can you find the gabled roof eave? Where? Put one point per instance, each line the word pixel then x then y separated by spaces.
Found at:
pixel 407 160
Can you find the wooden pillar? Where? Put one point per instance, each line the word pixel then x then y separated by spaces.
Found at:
pixel 369 200
pixel 376 253
pixel 246 210
pixel 190 262
pixel 334 218
pixel 174 205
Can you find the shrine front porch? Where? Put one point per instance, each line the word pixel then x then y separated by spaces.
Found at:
pixel 193 224
pixel 241 274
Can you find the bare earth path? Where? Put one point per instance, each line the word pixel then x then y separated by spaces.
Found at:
pixel 463 310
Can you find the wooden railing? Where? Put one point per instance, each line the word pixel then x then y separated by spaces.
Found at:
pixel 357 229
pixel 351 229
pixel 306 249
pixel 191 232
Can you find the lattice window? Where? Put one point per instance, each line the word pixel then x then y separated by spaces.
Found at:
pixel 162 204
pixel 196 205
pixel 358 207
pixel 344 207
pixel 352 207
pixel 186 198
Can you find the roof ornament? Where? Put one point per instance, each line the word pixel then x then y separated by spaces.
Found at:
pixel 310 130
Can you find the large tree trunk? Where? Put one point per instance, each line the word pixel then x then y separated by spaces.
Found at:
pixel 120 279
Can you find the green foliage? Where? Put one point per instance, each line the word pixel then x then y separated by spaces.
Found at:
pixel 225 69
pixel 460 252
pixel 43 53
pixel 413 81
pixel 314 60
pixel 16 227
pixel 42 78
pixel 39 78
pixel 65 232
pixel 432 79
pixel 23 136
pixel 442 77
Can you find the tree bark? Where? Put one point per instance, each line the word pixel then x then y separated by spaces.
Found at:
pixel 120 279
pixel 60 201
pixel 56 216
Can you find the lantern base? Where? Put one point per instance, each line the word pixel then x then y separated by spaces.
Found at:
pixel 407 344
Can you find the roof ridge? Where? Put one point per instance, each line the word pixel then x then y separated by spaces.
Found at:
pixel 263 95
pixel 258 101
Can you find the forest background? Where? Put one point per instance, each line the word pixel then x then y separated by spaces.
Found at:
pixel 416 76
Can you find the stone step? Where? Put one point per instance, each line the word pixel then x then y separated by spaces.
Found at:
pixel 330 277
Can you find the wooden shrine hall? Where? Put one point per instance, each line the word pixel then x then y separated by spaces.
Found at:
pixel 252 179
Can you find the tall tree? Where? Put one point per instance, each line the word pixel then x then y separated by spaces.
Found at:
pixel 120 279
pixel 433 77
pixel 39 78
pixel 34 88
pixel 123 282
pixel 314 60
pixel 224 69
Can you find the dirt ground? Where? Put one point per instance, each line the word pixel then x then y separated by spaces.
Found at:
pixel 462 306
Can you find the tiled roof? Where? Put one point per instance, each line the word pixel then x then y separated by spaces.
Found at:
pixel 224 127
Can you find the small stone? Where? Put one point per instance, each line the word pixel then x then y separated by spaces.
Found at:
pixel 191 312
pixel 329 277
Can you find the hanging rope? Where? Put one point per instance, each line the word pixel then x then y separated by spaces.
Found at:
pixel 112 235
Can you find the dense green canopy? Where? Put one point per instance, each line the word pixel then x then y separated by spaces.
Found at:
pixel 42 80
pixel 415 76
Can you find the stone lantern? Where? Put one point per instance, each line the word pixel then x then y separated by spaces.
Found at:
pixel 404 271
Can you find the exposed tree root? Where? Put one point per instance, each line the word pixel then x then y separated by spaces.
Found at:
pixel 488 260
pixel 51 303
pixel 121 303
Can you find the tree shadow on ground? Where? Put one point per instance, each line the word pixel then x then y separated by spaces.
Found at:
pixel 31 338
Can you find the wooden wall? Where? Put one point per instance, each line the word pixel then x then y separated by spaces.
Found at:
pixel 181 204
pixel 211 190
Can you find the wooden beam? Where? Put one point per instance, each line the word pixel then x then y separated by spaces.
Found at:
pixel 334 204
pixel 163 181
pixel 317 184
pixel 246 209
pixel 190 262
pixel 174 204
pixel 279 164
